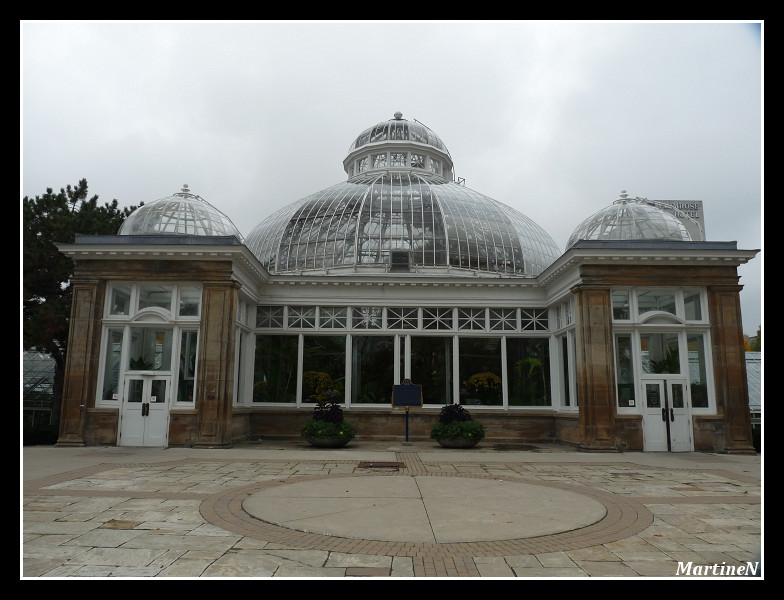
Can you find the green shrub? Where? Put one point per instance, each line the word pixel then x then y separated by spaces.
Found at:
pixel 457 429
pixel 320 428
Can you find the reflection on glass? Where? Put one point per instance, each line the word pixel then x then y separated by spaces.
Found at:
pixel 159 296
pixel 691 301
pixel 121 300
pixel 190 299
pixel 620 303
pixel 650 300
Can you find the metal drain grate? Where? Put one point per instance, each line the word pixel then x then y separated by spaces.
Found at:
pixel 381 465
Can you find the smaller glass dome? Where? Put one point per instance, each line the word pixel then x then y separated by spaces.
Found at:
pixel 630 219
pixel 181 213
pixel 398 129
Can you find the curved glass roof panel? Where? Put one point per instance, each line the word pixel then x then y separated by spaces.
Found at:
pixel 181 213
pixel 438 222
pixel 398 129
pixel 630 219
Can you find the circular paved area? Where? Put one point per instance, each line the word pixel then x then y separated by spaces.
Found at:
pixel 424 509
pixel 405 515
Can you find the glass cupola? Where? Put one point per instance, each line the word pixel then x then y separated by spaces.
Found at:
pixel 181 213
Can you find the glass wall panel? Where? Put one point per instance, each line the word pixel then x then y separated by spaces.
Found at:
pixel 324 368
pixel 431 367
pixel 566 396
pixel 660 353
pixel 402 318
pixel 302 316
pixel 372 369
pixel 159 296
pixel 111 368
pixel 528 369
pixel 275 369
pixel 190 299
pixel 691 301
pixel 187 367
pixel 269 316
pixel 650 300
pixel 480 371
pixel 697 370
pixel 150 349
pixel 333 317
pixel 624 370
pixel 121 300
pixel 620 303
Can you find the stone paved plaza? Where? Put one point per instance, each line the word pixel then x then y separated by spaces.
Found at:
pixel 188 513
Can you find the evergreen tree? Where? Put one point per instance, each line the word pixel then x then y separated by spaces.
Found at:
pixel 46 272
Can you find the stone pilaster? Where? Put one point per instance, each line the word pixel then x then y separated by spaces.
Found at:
pixel 595 368
pixel 81 371
pixel 729 367
pixel 215 370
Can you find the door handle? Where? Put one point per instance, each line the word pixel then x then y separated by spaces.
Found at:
pixel 664 414
pixel 145 409
pixel 672 415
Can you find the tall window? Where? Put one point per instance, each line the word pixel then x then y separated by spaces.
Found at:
pixel 431 367
pixel 480 371
pixel 697 370
pixel 624 369
pixel 528 369
pixel 372 369
pixel 275 369
pixel 111 364
pixel 323 368
pixel 187 367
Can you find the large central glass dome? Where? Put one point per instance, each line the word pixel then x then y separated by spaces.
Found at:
pixel 400 210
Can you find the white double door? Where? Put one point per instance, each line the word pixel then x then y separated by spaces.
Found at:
pixel 666 420
pixel 145 412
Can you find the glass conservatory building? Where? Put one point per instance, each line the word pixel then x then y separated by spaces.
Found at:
pixel 184 333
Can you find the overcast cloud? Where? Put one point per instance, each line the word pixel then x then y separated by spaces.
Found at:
pixel 551 118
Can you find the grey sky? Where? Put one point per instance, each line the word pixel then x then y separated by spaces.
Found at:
pixel 551 118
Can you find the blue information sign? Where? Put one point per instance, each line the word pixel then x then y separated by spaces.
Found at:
pixel 407 395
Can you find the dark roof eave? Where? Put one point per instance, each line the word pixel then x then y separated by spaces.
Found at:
pixel 172 239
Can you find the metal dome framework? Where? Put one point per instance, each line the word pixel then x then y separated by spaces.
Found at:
pixel 630 219
pixel 181 213
pixel 397 208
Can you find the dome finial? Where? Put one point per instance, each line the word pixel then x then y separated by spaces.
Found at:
pixel 398 115
pixel 185 188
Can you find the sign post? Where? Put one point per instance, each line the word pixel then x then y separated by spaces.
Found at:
pixel 407 395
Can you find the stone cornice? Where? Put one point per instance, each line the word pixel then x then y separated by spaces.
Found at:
pixel 648 252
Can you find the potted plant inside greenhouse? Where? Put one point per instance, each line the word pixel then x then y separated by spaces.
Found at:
pixel 456 428
pixel 327 427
